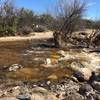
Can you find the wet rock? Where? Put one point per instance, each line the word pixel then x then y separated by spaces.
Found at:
pixel 76 66
pixel 15 67
pixel 94 77
pixel 79 76
pixel 39 89
pixel 48 61
pixel 74 79
pixel 83 74
pixel 61 52
pixel 52 77
pixel 23 97
pixel 96 85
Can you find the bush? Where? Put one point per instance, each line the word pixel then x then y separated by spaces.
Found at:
pixel 7 32
pixel 10 32
pixel 40 28
pixel 25 30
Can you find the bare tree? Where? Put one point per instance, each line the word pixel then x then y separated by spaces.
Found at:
pixel 70 12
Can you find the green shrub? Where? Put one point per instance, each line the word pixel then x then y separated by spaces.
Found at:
pixel 25 30
pixel 40 28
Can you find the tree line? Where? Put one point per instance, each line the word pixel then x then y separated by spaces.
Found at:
pixel 21 21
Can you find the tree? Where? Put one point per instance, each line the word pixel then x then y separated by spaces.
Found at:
pixel 8 18
pixel 96 24
pixel 25 17
pixel 70 13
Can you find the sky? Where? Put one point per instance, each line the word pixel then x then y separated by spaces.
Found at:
pixel 41 6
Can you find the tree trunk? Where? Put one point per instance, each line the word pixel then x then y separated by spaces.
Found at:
pixel 59 40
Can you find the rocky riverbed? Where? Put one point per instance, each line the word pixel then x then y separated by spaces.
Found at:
pixel 46 73
pixel 63 89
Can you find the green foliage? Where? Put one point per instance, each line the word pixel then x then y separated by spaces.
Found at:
pixel 25 30
pixel 23 20
pixel 96 24
pixel 39 28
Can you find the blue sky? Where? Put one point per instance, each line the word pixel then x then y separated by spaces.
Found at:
pixel 40 6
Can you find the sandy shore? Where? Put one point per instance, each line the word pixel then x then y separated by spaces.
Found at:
pixel 19 40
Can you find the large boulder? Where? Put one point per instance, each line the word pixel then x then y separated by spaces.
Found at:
pixel 83 74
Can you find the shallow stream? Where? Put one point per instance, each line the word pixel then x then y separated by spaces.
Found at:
pixel 33 60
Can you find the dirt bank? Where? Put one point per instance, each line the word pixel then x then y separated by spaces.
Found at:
pixel 23 40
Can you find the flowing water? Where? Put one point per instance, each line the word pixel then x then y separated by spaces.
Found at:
pixel 33 59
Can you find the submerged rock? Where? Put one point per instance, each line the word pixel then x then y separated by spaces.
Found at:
pixel 15 67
